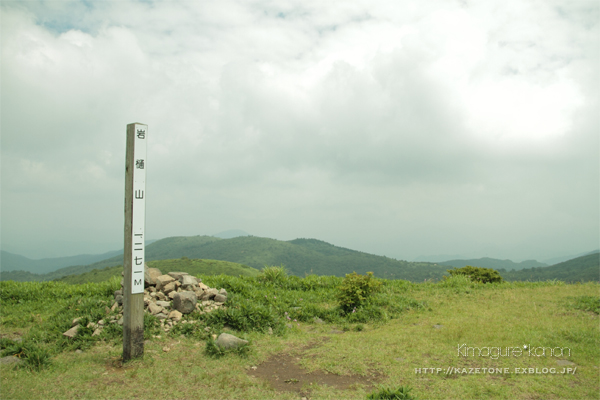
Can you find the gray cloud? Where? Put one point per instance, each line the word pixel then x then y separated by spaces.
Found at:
pixel 402 130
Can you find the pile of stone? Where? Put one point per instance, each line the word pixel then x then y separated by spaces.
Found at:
pixel 171 295
pixel 166 296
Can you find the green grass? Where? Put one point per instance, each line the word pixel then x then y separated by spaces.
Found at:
pixel 402 328
pixel 585 303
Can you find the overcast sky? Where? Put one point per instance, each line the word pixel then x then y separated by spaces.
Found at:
pixel 399 128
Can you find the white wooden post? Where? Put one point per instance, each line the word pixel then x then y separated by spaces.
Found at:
pixel 135 236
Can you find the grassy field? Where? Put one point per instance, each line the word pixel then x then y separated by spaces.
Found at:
pixel 393 340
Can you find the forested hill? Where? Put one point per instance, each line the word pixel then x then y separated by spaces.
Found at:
pixel 494 263
pixel 299 256
pixel 585 268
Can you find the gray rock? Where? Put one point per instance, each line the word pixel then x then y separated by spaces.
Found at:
pixel 71 332
pixel 119 292
pixel 223 292
pixel 120 321
pixel 319 320
pixel 188 282
pixel 161 296
pixel 75 321
pixel 209 294
pixel 161 316
pixel 11 360
pixel 169 287
pixel 150 275
pixel 185 302
pixel 165 304
pixel 219 298
pixel 154 308
pixel 119 299
pixel 228 341
pixel 98 331
pixel 163 280
pixel 175 315
pixel 178 275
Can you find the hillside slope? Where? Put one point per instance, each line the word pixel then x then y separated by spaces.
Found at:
pixel 191 266
pixel 585 268
pixel 494 263
pixel 15 262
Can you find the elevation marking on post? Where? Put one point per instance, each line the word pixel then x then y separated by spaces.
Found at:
pixel 134 256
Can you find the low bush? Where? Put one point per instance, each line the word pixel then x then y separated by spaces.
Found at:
pixel 273 274
pixel 477 274
pixel 387 393
pixel 355 290
pixel 35 357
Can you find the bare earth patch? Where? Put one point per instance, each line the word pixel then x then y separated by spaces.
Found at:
pixel 283 372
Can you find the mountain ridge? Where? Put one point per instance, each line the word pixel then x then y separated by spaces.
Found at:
pixel 304 256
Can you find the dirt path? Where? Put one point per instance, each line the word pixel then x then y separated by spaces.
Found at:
pixel 284 373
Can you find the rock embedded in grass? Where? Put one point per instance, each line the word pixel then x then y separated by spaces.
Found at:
pixel 71 332
pixel 228 341
pixel 11 360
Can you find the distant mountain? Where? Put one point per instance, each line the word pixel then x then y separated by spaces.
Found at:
pixel 312 256
pixel 580 269
pixel 556 260
pixel 494 264
pixel 437 258
pixel 15 262
pixel 230 234
pixel 300 256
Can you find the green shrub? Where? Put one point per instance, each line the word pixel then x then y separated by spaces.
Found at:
pixel 273 274
pixel 477 274
pixel 387 393
pixel 35 357
pixel 355 290
pixel 38 359
pixel 245 315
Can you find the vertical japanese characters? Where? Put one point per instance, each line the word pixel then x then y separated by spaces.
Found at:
pixel 139 210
